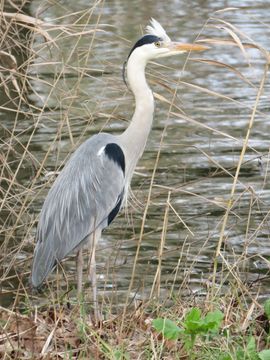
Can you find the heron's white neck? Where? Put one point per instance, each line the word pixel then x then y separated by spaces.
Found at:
pixel 135 136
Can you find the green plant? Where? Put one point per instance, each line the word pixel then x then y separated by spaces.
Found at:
pixel 193 325
pixel 250 352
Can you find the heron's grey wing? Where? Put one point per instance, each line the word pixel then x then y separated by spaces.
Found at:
pixel 86 195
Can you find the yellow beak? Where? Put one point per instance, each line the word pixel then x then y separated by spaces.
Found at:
pixel 175 46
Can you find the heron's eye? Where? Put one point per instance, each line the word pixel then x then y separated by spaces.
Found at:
pixel 157 44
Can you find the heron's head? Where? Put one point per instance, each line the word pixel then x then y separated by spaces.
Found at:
pixel 156 44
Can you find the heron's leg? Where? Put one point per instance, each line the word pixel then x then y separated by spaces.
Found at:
pixel 92 272
pixel 79 272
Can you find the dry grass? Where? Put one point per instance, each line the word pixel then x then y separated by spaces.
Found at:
pixel 55 325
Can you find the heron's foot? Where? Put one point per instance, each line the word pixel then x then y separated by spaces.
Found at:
pixel 96 318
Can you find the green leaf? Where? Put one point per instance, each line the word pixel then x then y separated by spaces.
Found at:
pixel 193 315
pixel 264 355
pixel 167 328
pixel 212 320
pixel 215 316
pixel 193 321
pixel 267 308
pixel 195 324
pixel 251 345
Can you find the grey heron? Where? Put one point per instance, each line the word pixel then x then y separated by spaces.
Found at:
pixel 90 190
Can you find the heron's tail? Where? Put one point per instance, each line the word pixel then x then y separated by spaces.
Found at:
pixel 43 263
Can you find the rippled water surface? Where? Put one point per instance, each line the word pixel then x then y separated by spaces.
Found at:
pixel 200 138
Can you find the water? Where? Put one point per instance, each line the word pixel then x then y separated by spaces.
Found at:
pixel 81 92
